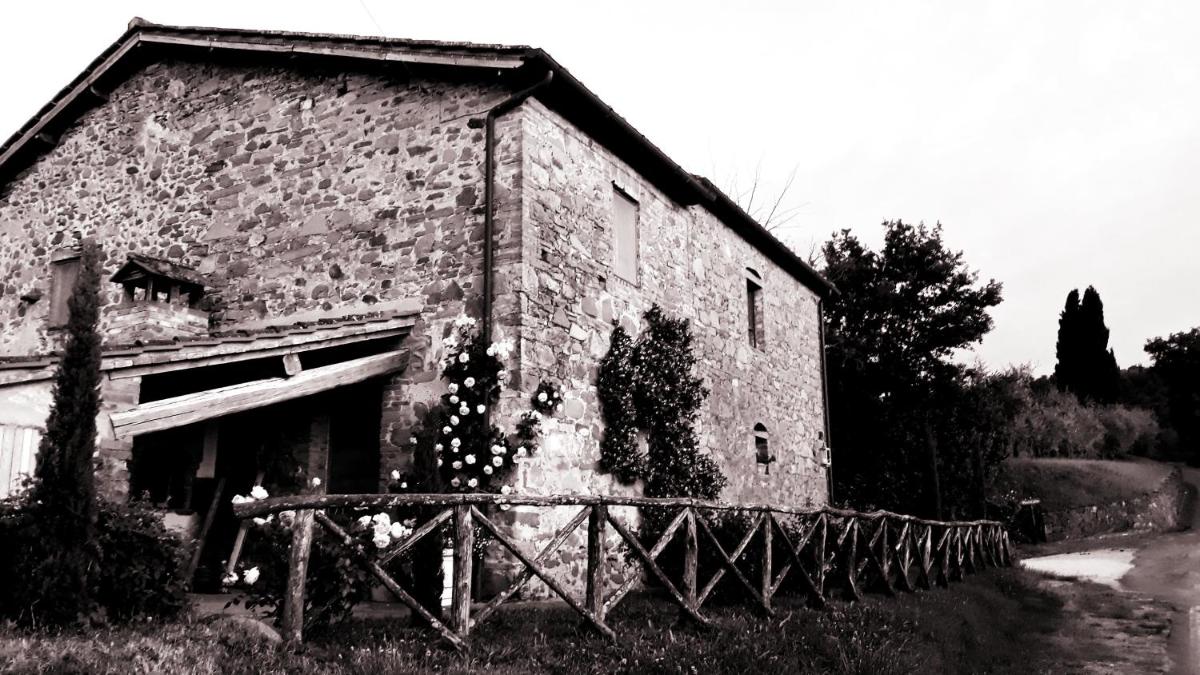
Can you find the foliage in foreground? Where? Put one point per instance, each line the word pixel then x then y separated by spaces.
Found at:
pixel 993 623
pixel 62 495
pixel 139 571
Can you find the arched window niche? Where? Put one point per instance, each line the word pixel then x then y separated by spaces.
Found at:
pixel 762 447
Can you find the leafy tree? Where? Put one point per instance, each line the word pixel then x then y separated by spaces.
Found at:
pixel 1086 366
pixel 892 333
pixel 1176 361
pixel 64 490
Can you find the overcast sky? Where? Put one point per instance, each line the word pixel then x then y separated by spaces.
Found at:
pixel 1057 142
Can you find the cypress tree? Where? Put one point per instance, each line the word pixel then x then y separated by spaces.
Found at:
pixel 63 495
pixel 1067 349
pixel 1099 375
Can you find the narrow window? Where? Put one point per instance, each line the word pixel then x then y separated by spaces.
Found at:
pixel 625 244
pixel 63 272
pixel 754 311
pixel 762 452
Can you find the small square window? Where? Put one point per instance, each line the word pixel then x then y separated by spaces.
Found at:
pixel 755 329
pixel 625 240
pixel 63 273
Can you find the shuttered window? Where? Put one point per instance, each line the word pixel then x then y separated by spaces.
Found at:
pixel 625 236
pixel 18 447
pixel 63 273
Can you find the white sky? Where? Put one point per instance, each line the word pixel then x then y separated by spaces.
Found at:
pixel 1057 142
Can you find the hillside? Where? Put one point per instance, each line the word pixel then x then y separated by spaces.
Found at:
pixel 1066 483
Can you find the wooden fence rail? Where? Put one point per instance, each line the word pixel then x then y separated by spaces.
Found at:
pixel 822 551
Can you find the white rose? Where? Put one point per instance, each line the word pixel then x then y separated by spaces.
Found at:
pixel 316 482
pixel 395 474
pixel 412 440
pixel 464 410
pixel 399 531
pixel 472 483
pixel 364 521
pixel 487 470
pixel 404 485
pixel 453 388
pixel 250 576
pixel 463 358
pixel 541 397
pixel 507 489
pixel 469 382
pixel 447 430
pixel 454 399
pixel 497 461
pixel 558 408
pixel 258 492
pixel 230 579
pixel 454 481
pixel 491 351
pixel 240 499
pixel 381 540
pixel 439 461
pixel 454 442
pixel 456 465
pixel 438 447
pixel 454 419
pixel 480 408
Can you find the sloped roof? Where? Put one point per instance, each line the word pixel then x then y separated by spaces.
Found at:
pixel 158 267
pixel 518 65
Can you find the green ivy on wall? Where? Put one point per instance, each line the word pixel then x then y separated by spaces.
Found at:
pixel 648 385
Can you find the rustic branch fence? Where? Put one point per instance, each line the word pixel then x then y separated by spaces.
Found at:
pixel 825 551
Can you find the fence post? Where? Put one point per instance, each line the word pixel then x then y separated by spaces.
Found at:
pixel 691 557
pixel 767 573
pixel 293 598
pixel 597 520
pixel 464 543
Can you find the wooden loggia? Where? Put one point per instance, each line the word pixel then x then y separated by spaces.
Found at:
pixel 822 552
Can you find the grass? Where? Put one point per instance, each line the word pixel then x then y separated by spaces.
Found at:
pixel 997 622
pixel 1067 483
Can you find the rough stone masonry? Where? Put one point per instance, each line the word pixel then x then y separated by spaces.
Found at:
pixel 300 193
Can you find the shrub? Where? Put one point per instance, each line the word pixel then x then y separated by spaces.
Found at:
pixel 140 571
pixel 143 565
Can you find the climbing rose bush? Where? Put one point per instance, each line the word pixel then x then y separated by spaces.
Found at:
pixel 474 455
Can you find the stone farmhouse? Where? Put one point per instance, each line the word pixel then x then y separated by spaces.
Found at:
pixel 291 223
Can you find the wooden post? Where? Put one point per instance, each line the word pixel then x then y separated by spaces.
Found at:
pixel 597 521
pixel 293 598
pixel 464 543
pixel 691 559
pixel 768 580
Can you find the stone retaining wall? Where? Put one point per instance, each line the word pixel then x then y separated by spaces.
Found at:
pixel 1162 509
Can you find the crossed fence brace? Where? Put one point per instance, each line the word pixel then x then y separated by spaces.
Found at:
pixel 821 549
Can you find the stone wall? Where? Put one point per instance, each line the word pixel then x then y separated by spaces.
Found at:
pixel 1163 509
pixel 296 193
pixel 694 267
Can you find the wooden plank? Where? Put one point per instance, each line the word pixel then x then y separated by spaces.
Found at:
pixel 464 559
pixel 190 408
pixel 10 451
pixel 292 622
pixel 527 572
pixel 903 558
pixel 541 573
pixel 816 594
pixel 691 559
pixel 650 565
pixel 659 546
pixel 849 575
pixel 417 535
pixel 291 364
pixel 389 583
pixel 737 553
pixel 767 585
pixel 262 347
pixel 730 563
pixel 597 560
pixel 209 517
